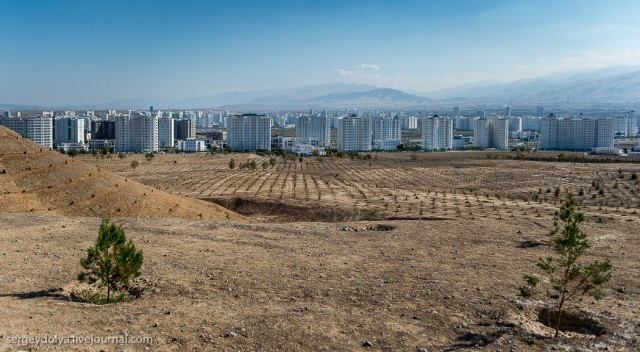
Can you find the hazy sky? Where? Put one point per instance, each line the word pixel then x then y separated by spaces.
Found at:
pixel 91 51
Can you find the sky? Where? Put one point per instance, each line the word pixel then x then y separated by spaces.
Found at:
pixel 56 52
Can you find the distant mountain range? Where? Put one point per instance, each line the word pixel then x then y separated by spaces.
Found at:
pixel 612 85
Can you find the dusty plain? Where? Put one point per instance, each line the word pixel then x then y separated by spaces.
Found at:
pixel 399 252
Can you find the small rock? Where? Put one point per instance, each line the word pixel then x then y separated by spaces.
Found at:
pixel 415 317
pixel 156 325
pixel 421 349
pixel 367 344
pixel 167 312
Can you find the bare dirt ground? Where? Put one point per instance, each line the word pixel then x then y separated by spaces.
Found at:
pixel 399 251
pixel 396 186
pixel 439 285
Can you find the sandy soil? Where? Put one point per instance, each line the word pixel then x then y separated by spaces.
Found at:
pixel 439 285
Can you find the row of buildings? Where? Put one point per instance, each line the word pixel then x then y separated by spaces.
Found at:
pixel 133 132
pixel 149 132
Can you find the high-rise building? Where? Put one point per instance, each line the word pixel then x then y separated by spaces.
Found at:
pixel 463 123
pixel 624 126
pixel 137 133
pixel 122 132
pixel 515 124
pixel 456 111
pixel 354 133
pixel 314 130
pixel 481 114
pixel 68 129
pixel 409 122
pixel 16 124
pixel 166 133
pixel 531 123
pixel 184 129
pixel 491 133
pixel 576 134
pixel 540 111
pixel 508 111
pixel 386 132
pixel 437 133
pixel 103 130
pixel 38 129
pixel 249 132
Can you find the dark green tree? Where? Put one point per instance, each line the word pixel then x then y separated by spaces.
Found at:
pixel 112 261
pixel 569 277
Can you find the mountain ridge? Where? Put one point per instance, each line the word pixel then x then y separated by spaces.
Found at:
pixel 617 84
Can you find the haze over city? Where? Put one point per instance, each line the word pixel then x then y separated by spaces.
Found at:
pixel 78 52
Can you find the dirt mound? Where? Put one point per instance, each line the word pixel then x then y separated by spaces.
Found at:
pixel 34 179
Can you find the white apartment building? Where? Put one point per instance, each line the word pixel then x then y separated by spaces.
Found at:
pixel 515 124
pixel 531 123
pixel 386 132
pixel 249 132
pixel 280 142
pixel 354 133
pixel 68 130
pixel 165 133
pixel 192 145
pixel 122 132
pixel 38 129
pixel 315 130
pixel 136 133
pixel 462 123
pixel 16 124
pixel 491 133
pixel 576 134
pixel 625 126
pixel 409 123
pixel 437 133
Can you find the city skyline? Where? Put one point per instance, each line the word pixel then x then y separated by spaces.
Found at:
pixel 73 52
